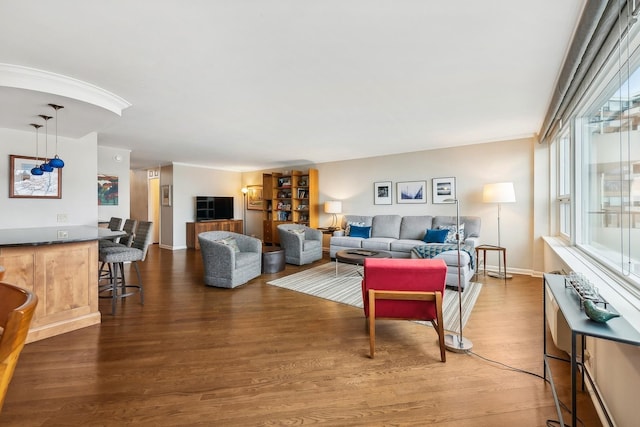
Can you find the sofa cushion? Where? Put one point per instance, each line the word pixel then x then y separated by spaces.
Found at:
pixel 451 258
pixel 413 227
pixel 386 226
pixel 358 231
pixel 405 245
pixel 435 236
pixel 346 241
pixel 378 243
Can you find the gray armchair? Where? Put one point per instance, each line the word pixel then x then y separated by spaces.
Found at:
pixel 229 259
pixel 301 244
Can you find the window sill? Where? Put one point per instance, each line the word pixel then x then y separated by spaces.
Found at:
pixel 625 302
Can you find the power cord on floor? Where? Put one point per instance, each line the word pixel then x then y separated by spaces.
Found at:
pixel 549 423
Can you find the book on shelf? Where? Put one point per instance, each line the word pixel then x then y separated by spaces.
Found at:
pixel 284 182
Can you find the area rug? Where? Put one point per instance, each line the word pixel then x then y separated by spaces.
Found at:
pixel 345 288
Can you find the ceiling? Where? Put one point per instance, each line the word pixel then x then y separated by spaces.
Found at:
pixel 248 85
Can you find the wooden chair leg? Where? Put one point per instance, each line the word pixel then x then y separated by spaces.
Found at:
pixel 440 327
pixel 372 322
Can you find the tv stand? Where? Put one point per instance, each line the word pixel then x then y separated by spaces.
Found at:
pixel 195 228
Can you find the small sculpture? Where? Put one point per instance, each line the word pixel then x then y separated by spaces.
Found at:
pixel 598 314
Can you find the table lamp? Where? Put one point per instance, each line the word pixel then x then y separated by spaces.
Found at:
pixel 333 207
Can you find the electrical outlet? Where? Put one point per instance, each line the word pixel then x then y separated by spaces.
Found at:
pixel 62 217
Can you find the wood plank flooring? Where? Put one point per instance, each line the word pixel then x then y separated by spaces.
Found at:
pixel 259 355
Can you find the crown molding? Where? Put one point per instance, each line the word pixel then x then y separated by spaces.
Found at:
pixel 17 76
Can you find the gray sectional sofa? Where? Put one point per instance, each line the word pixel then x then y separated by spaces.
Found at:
pixel 399 235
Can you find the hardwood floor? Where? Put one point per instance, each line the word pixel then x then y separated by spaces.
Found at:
pixel 262 355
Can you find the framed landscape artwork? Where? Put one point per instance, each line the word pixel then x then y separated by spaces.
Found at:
pixel 382 193
pixel 444 190
pixel 107 190
pixel 24 185
pixel 412 192
pixel 254 197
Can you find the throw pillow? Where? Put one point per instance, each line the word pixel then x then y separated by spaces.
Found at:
pixel 435 236
pixel 298 232
pixel 451 235
pixel 230 241
pixel 358 231
pixel 347 230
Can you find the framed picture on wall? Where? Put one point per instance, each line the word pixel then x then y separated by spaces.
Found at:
pixel 107 190
pixel 382 193
pixel 254 197
pixel 165 195
pixel 412 192
pixel 23 184
pixel 444 190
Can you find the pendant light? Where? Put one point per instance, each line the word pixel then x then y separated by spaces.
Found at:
pixel 36 170
pixel 46 167
pixel 56 162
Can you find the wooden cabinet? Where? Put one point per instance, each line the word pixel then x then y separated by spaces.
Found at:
pixel 64 277
pixel 195 228
pixel 290 197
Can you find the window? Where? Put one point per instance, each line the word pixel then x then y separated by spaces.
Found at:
pixel 564 183
pixel 609 176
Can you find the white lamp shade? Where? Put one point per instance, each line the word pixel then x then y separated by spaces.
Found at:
pixel 333 207
pixel 501 192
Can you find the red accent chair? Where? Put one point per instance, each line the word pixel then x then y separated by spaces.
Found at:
pixel 410 289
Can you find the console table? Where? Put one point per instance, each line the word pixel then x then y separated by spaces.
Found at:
pixel 617 329
pixel 195 228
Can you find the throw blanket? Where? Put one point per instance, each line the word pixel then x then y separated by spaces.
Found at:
pixel 431 250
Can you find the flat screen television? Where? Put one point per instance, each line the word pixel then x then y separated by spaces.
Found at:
pixel 209 208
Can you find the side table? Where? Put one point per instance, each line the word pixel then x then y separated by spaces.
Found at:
pixel 326 237
pixel 484 249
pixel 273 259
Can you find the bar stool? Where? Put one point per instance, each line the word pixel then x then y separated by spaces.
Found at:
pixel 114 223
pixel 129 228
pixel 115 257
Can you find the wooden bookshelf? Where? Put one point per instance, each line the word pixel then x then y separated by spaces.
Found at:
pixel 289 197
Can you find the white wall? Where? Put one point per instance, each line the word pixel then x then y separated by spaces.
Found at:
pixel 191 181
pixel 108 164
pixel 79 197
pixel 473 166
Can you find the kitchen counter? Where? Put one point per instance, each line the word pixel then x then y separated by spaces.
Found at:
pixel 59 264
pixel 54 235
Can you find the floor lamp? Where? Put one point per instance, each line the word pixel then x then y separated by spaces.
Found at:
pixel 244 190
pixel 501 192
pixel 452 342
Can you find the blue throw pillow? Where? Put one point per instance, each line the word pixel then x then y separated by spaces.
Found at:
pixel 435 236
pixel 357 231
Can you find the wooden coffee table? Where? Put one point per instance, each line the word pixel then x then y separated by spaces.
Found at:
pixel 357 256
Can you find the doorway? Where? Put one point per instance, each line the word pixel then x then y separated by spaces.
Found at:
pixel 154 206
